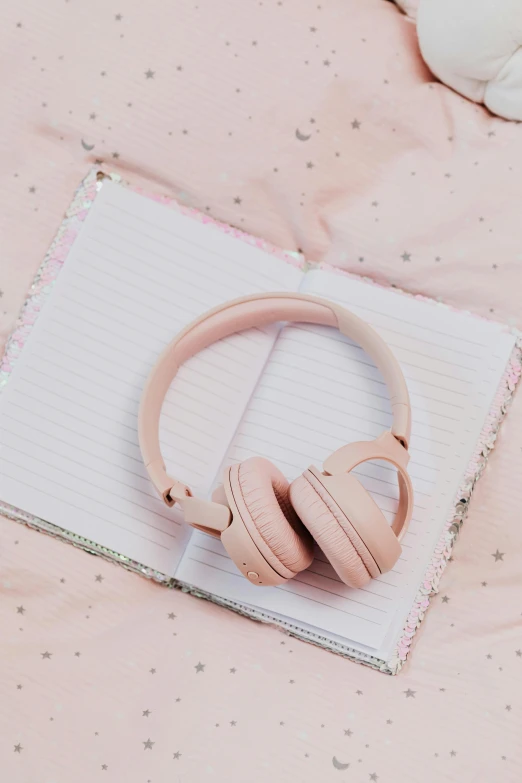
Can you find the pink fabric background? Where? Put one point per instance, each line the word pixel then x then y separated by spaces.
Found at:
pixel 398 171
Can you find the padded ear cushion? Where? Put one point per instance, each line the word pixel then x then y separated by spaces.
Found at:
pixel 271 521
pixel 332 530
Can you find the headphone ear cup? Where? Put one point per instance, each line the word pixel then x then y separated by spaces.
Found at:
pixel 331 527
pixel 269 517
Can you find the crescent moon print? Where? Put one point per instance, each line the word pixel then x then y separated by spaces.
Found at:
pixel 338 764
pixel 301 136
pixel 86 146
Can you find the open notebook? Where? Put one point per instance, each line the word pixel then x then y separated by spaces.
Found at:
pixel 135 274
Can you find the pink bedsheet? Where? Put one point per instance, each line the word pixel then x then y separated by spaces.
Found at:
pixel 105 676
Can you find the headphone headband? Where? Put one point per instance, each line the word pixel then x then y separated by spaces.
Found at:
pixel 244 313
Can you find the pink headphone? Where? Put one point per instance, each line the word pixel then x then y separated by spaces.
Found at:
pixel 265 524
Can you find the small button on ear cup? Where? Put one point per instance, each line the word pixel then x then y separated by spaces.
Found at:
pixel 333 531
pixel 269 517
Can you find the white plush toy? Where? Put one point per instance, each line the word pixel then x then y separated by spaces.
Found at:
pixel 475 47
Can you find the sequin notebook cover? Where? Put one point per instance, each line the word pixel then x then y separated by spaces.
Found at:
pixel 38 293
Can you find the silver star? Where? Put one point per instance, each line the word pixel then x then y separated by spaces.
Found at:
pixel 374 776
pixel 171 616
pixel 410 694
pixel 104 766
pixel 19 687
pixel 445 599
pixel 176 755
pixel 518 653
pixel 147 745
pixel 233 723
pixel 498 555
pixel 453 753
pixel 406 256
pixel 233 670
pixel 20 610
pixel 145 713
pixel 149 74
pixel 200 667
pixel 99 577
pixel 356 124
pixel 508 707
pixel 77 654
pixel 237 200
pixel 45 655
pixel 484 584
pixel 489 656
pixel 309 165
pixel 359 693
pixel 348 732
pixel 18 748
pixel 152 671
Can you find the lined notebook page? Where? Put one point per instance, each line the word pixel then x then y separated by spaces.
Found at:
pixel 320 391
pixel 137 273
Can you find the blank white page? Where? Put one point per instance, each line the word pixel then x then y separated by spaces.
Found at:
pixel 137 273
pixel 320 391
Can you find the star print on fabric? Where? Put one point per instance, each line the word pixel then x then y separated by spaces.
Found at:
pixel 18 748
pixel 171 616
pixel 348 732
pixel 200 667
pixel 150 74
pixel 233 722
pixel 389 721
pixel 375 203
pixel 237 200
pixel 147 745
pixel 410 694
pixel 438 258
pixel 118 17
pixel 46 655
pixel 453 753
pixel 356 124
pixel 232 670
pixel 445 599
pixel 291 682
pixel 152 671
pixel 508 707
pixel 145 713
pixel 32 189
pixel 19 687
pixel 178 699
pixel 77 654
pixel 176 755
pixel 99 577
pixel 359 693
pixel 484 584
pixel 104 767
pixel 406 256
pixel 20 610
pixel 518 653
pixel 374 776
pixel 327 63
pixel 309 165
pixel 498 555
